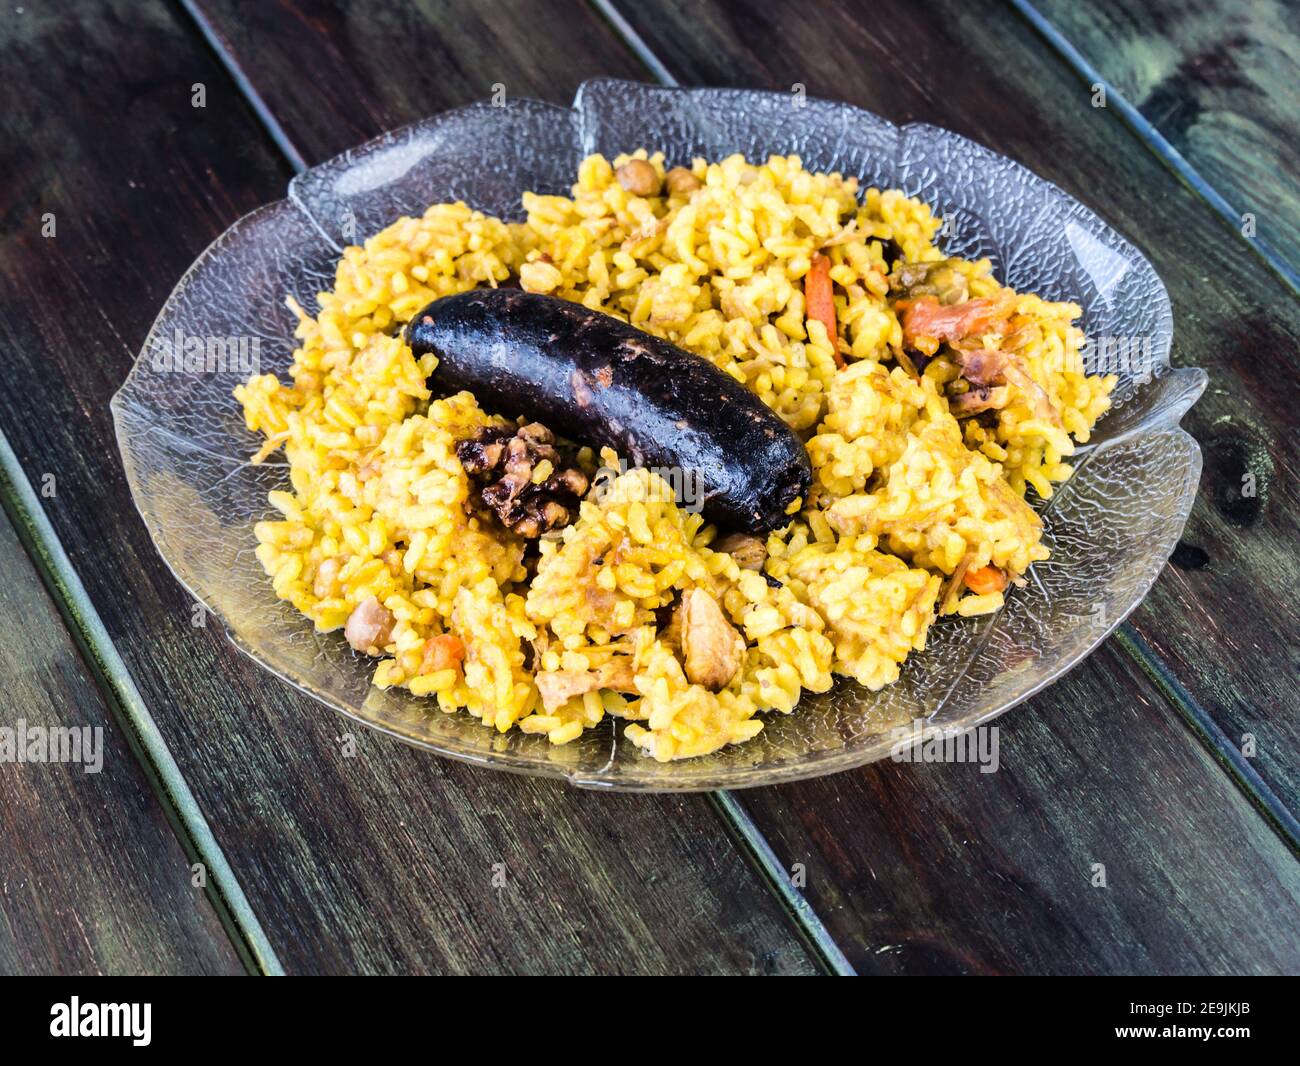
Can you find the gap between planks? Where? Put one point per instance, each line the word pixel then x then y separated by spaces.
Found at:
pixel 1215 741
pixel 129 712
pixel 747 836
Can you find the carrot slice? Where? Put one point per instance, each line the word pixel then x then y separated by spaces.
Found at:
pixel 986 579
pixel 819 302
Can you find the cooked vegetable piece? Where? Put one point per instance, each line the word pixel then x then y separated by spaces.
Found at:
pixel 446 651
pixel 819 300
pixel 941 279
pixel 986 579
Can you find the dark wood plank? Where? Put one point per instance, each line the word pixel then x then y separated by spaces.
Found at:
pixel 94 880
pixel 382 862
pixel 359 69
pixel 822 824
pixel 1219 82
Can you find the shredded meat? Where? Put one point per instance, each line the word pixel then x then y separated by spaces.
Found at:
pixel 712 646
pixel 983 366
pixel 927 317
pixel 557 687
pixel 977 400
pixel 1018 374
pixel 369 626
pixel 502 461
pixel 750 552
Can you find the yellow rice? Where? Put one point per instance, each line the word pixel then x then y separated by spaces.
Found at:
pixel 905 500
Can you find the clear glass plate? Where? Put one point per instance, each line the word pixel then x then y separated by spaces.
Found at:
pixel 1111 528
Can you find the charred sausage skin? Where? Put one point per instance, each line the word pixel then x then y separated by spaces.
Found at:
pixel 599 381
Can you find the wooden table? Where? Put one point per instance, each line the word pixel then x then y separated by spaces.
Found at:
pixel 227 832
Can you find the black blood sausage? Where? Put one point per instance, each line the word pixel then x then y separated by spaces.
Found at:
pixel 599 381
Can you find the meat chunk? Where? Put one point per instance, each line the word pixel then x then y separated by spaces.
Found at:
pixel 983 366
pixel 749 551
pixel 711 644
pixel 504 464
pixel 977 400
pixel 369 626
pixel 557 687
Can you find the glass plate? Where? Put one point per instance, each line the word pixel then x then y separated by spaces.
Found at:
pixel 1110 528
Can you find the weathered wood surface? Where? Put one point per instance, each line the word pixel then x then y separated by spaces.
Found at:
pixel 360 69
pixel 939 868
pixel 1128 744
pixel 1220 82
pixel 92 878
pixel 379 863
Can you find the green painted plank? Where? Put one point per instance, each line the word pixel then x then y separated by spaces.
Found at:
pixel 95 881
pixel 1214 87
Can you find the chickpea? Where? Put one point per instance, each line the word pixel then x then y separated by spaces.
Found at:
pixel 638 177
pixel 681 182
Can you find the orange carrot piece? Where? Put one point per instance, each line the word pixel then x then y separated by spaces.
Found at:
pixel 986 579
pixel 819 302
pixel 443 652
